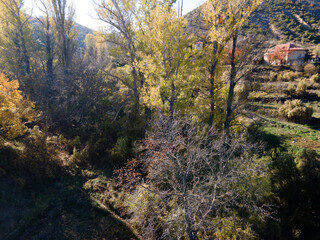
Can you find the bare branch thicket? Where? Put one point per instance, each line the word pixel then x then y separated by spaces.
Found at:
pixel 196 177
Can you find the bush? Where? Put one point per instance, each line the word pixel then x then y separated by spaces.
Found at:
pixel 256 86
pixel 296 111
pixel 302 87
pixel 287 77
pixel 297 67
pixel 292 88
pixel 310 69
pixel 315 78
pixel 273 76
pixel 242 91
pixel 7 157
pixel 39 159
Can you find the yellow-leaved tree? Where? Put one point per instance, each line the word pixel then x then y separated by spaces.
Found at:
pixel 167 60
pixel 14 109
pixel 16 43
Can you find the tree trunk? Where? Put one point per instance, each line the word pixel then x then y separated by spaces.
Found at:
pixel 231 83
pixel 135 91
pixel 25 56
pixel 49 53
pixel 191 233
pixel 213 68
pixel 212 85
pixel 173 97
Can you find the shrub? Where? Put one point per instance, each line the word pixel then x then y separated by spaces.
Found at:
pixel 310 69
pixel 39 158
pixel 297 67
pixel 296 111
pixel 287 77
pixel 273 76
pixel 302 87
pixel 315 78
pixel 7 157
pixel 242 91
pixel 301 175
pixel 256 86
pixel 121 151
pixel 292 88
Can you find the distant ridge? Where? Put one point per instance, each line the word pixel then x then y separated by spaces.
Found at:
pixel 82 31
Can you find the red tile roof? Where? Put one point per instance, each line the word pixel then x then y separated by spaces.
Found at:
pixel 287 47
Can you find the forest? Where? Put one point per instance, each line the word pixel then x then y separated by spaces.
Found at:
pixel 147 129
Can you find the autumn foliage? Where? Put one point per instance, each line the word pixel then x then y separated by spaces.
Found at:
pixel 14 109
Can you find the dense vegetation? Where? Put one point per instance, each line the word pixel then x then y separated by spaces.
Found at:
pixel 133 133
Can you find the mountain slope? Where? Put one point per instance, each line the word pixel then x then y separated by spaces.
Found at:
pixel 285 20
pixel 82 33
pixel 81 30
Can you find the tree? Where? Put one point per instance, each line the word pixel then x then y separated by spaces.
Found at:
pixel 65 33
pixel 224 20
pixel 47 42
pixel 166 60
pixel 295 181
pixel 97 52
pixel 310 69
pixel 15 38
pixel 120 16
pixel 198 179
pixel 14 110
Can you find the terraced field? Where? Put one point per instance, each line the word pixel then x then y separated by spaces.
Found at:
pixel 271 95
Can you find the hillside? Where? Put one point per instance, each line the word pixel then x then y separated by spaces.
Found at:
pixel 81 30
pixel 284 20
pixel 82 33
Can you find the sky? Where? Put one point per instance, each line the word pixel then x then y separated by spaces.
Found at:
pixel 85 13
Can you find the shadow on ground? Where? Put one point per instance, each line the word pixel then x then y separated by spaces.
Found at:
pixel 56 210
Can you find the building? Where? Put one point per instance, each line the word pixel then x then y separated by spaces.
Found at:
pixel 198 45
pixel 285 54
pixel 314 59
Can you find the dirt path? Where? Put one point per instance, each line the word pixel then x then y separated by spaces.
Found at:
pixel 302 22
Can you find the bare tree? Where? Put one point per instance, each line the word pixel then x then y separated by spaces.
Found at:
pixel 201 177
